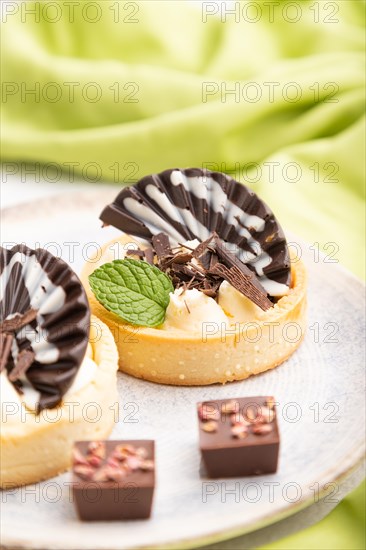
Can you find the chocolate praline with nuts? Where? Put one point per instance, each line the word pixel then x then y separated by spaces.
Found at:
pixel 113 480
pixel 238 437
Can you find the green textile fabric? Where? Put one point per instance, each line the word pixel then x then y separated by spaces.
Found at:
pixel 270 92
pixel 342 529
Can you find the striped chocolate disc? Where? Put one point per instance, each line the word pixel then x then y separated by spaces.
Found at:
pixel 45 312
pixel 192 204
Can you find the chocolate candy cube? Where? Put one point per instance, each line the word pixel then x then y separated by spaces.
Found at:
pixel 113 480
pixel 239 437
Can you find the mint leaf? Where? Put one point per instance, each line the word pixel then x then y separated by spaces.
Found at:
pixel 134 290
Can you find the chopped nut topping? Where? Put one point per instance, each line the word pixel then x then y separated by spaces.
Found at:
pixel 100 475
pixel 113 462
pixel 238 418
pixel 210 426
pixel 229 407
pixel 239 430
pixel 147 465
pixel 252 414
pixel 133 462
pixel 270 402
pixel 78 458
pixel 262 429
pixel 85 472
pixel 208 412
pixel 94 460
pixel 141 452
pixel 97 448
pixel 115 474
pixel 123 459
pixel 266 414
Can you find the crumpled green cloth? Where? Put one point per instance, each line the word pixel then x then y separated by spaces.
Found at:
pixel 272 93
pixel 342 529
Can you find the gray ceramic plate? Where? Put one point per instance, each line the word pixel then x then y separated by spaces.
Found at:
pixel 321 414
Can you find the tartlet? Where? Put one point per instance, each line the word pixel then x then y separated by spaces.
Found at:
pixel 181 357
pixel 58 367
pixel 230 347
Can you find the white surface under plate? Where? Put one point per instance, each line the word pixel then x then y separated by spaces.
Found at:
pixel 320 391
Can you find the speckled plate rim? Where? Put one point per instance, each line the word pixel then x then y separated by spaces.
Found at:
pixel 11 543
pixel 337 473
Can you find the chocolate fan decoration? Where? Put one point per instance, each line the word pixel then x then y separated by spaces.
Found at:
pixel 193 204
pixel 44 322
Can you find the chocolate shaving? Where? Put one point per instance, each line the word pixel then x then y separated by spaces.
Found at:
pixel 23 362
pixel 239 275
pixel 180 258
pixel 187 308
pixel 19 321
pixel 136 252
pixel 149 255
pixel 145 254
pixel 210 288
pixel 213 264
pixel 6 341
pixel 243 283
pixel 229 259
pixel 203 246
pixel 161 245
pixel 182 189
pixel 213 261
pixel 188 271
pixel 204 254
pixel 8 329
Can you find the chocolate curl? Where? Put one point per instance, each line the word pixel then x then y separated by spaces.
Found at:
pixel 244 284
pixel 19 321
pixel 8 329
pixel 145 254
pixel 6 341
pixel 161 245
pixel 24 361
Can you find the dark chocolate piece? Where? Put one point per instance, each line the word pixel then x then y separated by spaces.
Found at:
pixel 180 258
pixel 238 275
pixel 230 260
pixel 139 253
pixel 238 437
pixel 6 341
pixel 203 246
pixel 45 310
pixel 113 480
pixel 146 254
pixel 210 288
pixel 243 283
pixel 19 321
pixel 207 275
pixel 149 255
pixel 172 201
pixel 161 245
pixel 24 360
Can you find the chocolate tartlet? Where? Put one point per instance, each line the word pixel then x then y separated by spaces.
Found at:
pixel 237 301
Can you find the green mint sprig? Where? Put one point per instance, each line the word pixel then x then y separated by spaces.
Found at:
pixel 134 290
